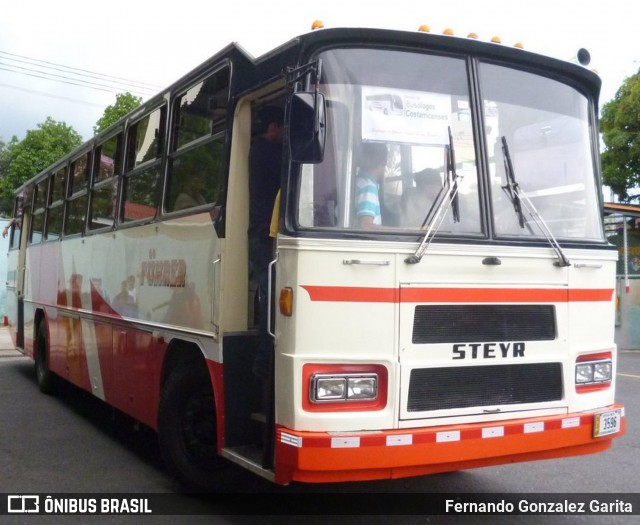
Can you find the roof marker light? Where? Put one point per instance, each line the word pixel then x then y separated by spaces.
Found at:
pixel 519 45
pixel 496 40
pixel 317 24
pixel 583 57
pixel 448 31
pixel 424 28
pixel 473 35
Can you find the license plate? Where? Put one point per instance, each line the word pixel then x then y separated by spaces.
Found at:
pixel 607 423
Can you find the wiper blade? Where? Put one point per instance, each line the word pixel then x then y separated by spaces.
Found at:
pixel 511 188
pixel 519 197
pixel 433 227
pixel 453 176
pixel 441 206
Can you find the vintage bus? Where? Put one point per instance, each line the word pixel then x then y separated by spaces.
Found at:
pixel 473 326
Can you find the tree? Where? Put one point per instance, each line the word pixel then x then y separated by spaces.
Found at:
pixel 21 160
pixel 620 126
pixel 125 102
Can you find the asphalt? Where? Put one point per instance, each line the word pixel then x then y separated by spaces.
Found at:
pixel 7 348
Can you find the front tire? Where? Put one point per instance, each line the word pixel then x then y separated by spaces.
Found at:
pixel 44 376
pixel 187 431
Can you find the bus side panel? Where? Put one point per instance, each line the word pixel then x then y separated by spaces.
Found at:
pixel 135 379
pixel 110 302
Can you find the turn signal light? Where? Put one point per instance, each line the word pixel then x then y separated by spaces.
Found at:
pixel 286 302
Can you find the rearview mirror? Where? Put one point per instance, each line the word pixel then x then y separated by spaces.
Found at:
pixel 307 127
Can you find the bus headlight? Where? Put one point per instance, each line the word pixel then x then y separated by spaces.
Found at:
pixel 362 387
pixel 343 388
pixel 584 373
pixel 329 388
pixel 594 372
pixel 602 371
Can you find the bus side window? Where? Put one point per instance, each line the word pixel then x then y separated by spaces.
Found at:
pixel 55 214
pixel 196 159
pixel 76 209
pixel 143 167
pixel 15 224
pixel 38 213
pixel 106 171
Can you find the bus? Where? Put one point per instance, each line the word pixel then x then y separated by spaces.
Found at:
pixel 474 332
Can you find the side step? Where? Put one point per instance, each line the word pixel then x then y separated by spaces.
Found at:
pixel 249 457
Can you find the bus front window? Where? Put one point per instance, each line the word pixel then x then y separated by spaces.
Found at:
pixel 545 125
pixel 417 107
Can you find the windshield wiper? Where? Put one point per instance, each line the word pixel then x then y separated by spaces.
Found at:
pixel 511 188
pixel 441 205
pixel 518 197
pixel 453 176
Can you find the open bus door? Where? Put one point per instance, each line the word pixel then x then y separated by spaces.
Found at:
pixel 16 277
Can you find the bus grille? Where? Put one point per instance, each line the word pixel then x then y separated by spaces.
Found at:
pixel 475 386
pixel 483 322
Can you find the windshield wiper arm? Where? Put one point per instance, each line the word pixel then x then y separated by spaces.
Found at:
pixel 441 206
pixel 519 197
pixel 511 187
pixel 453 176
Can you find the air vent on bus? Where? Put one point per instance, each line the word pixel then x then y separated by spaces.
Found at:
pixel 476 386
pixel 483 322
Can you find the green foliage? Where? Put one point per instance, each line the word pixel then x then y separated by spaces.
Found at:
pixel 21 160
pixel 125 102
pixel 620 126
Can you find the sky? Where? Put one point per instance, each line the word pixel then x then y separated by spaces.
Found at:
pixel 143 46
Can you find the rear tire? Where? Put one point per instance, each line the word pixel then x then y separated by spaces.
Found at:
pixel 187 430
pixel 44 376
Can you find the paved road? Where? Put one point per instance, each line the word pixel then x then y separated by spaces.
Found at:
pixel 73 443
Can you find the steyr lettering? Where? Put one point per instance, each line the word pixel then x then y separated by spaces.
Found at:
pixel 487 350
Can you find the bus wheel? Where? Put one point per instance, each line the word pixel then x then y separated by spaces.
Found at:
pixel 44 376
pixel 187 431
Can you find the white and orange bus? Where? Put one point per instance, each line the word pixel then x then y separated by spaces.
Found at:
pixel 473 326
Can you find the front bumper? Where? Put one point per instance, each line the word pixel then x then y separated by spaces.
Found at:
pixel 322 457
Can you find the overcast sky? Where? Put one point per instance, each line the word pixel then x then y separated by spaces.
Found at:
pixel 153 43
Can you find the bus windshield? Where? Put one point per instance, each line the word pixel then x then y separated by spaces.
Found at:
pixel 418 108
pixel 546 126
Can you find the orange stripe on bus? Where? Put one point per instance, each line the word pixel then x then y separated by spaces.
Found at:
pixel 354 294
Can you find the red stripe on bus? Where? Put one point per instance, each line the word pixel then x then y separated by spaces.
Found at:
pixel 354 294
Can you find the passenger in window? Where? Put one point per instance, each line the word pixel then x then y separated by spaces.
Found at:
pixel 372 168
pixel 17 220
pixel 418 201
pixel 13 221
pixel 265 160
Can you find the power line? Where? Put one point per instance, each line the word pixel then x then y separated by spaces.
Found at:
pixel 131 84
pixel 82 71
pixel 67 80
pixel 50 95
pixel 109 90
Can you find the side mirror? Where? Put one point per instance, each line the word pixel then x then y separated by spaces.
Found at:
pixel 307 127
